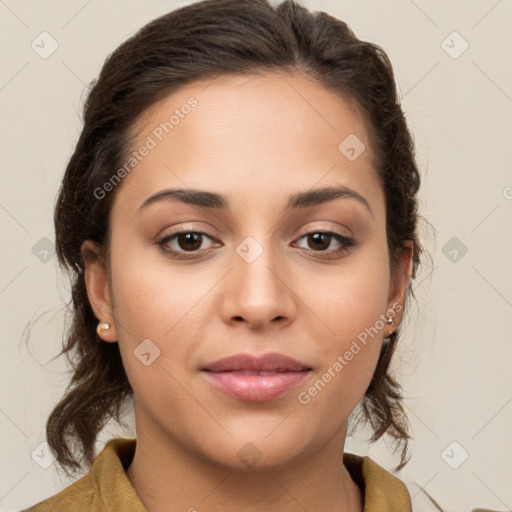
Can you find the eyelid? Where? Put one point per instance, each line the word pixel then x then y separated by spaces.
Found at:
pixel 184 230
pixel 330 227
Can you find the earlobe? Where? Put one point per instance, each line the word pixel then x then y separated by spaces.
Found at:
pixel 97 286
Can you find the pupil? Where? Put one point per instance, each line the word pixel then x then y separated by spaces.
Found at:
pixel 190 238
pixel 317 239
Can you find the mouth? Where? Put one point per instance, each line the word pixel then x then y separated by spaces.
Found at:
pixel 253 378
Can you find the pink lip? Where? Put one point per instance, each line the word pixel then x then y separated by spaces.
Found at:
pixel 240 375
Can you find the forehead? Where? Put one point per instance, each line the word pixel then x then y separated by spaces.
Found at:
pixel 252 133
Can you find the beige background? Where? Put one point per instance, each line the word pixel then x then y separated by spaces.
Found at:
pixel 455 361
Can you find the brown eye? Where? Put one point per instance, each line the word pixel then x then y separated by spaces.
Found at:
pixel 319 241
pixel 180 243
pixel 190 241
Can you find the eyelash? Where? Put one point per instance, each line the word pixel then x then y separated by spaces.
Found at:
pixel 347 243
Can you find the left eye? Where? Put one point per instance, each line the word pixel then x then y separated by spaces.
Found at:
pixel 322 240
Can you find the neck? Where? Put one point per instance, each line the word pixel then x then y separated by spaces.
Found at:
pixel 168 477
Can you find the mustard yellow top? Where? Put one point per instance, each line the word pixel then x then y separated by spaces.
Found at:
pixel 106 488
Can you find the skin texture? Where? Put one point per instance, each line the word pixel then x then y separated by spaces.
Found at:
pixel 256 140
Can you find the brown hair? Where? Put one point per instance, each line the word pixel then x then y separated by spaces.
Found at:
pixel 204 40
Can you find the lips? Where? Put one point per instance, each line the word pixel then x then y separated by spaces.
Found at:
pixel 256 378
pixel 271 362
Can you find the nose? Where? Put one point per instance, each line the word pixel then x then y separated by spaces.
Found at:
pixel 258 291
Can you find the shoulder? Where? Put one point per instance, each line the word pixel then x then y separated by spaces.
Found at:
pixel 77 497
pixel 105 487
pixel 382 491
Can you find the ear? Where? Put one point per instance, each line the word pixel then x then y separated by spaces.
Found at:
pixel 97 286
pixel 400 281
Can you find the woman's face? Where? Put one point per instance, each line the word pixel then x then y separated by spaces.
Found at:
pixel 269 265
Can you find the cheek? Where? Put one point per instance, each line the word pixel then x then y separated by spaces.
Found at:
pixel 349 355
pixel 150 300
pixel 352 297
pixel 151 303
pixel 351 304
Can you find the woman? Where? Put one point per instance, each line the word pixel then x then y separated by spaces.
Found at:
pixel 239 218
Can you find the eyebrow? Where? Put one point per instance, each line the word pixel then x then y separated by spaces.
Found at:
pixel 207 200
